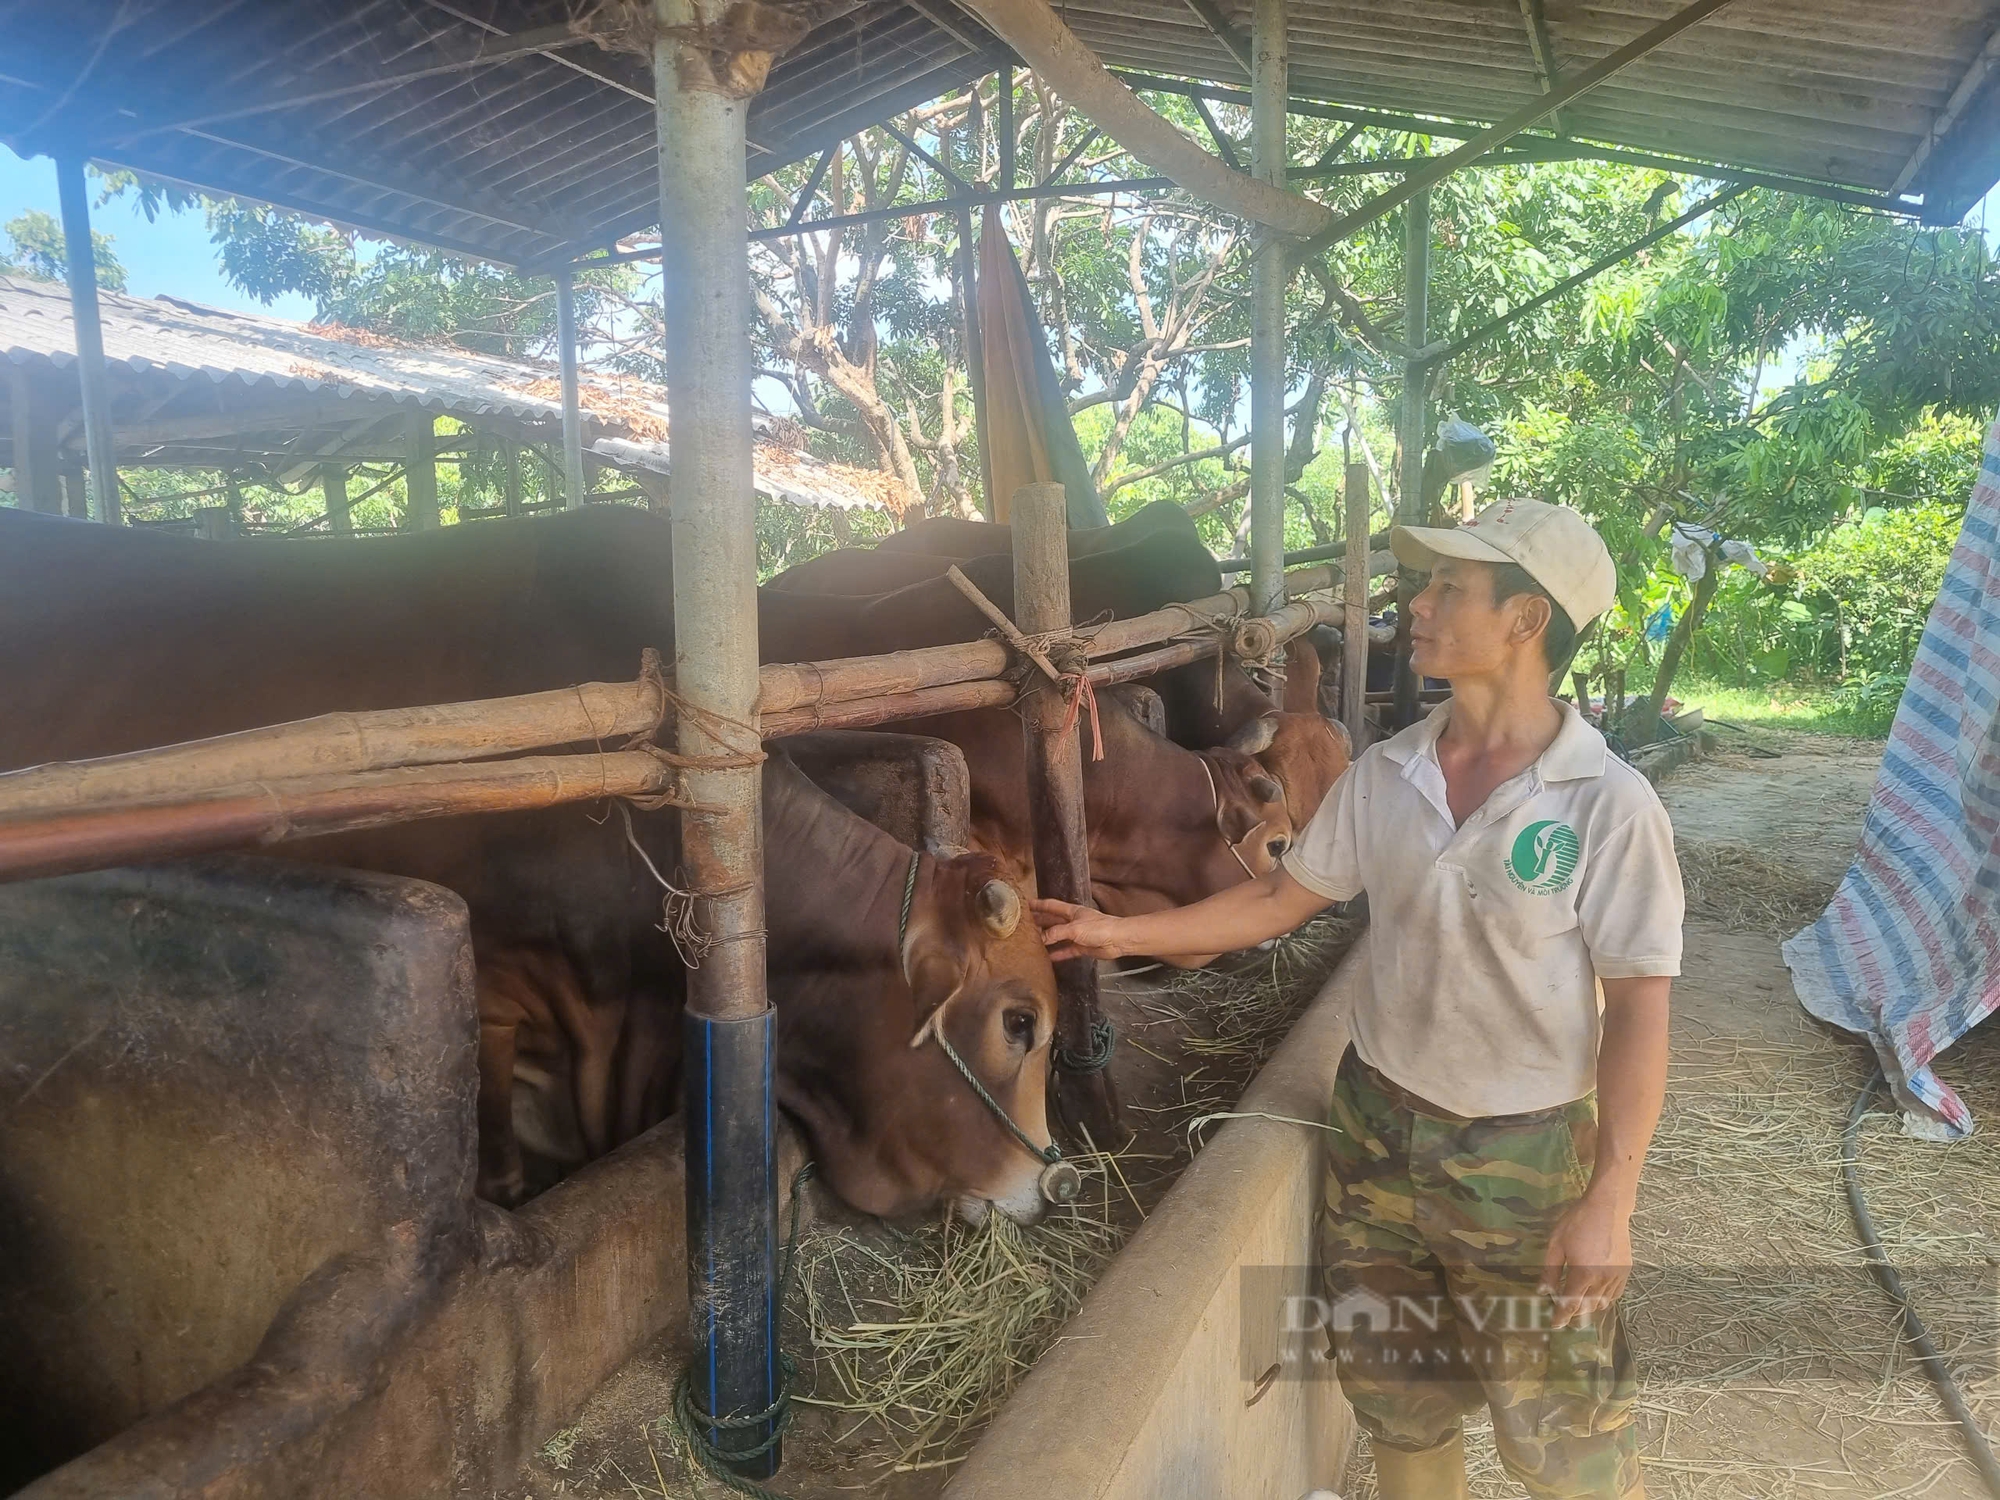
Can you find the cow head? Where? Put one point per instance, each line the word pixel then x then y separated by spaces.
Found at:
pixel 1303 753
pixel 1250 808
pixel 975 979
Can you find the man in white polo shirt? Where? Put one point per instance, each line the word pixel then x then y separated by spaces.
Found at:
pixel 1509 1058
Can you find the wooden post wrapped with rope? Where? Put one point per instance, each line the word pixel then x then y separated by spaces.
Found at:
pixel 1084 1096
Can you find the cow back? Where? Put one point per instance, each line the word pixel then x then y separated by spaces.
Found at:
pixel 954 539
pixel 120 639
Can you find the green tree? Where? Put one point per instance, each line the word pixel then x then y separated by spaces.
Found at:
pixel 36 249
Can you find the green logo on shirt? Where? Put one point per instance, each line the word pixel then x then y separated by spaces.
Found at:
pixel 1544 858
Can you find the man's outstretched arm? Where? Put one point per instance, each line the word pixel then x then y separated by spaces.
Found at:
pixel 1235 918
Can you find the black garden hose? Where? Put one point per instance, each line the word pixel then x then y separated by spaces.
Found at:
pixel 1885 1273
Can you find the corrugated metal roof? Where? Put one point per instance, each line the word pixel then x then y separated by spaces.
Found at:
pixel 238 355
pixel 531 159
pixel 1838 91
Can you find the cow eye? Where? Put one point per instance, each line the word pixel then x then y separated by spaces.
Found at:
pixel 1277 847
pixel 1020 1026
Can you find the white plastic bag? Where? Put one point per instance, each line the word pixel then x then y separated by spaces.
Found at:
pixel 1745 556
pixel 1690 544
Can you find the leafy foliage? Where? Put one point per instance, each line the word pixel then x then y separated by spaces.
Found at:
pixel 36 249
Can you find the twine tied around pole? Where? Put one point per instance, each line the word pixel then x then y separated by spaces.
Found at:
pixel 1077 687
pixel 1071 677
pixel 678 916
pixel 719 727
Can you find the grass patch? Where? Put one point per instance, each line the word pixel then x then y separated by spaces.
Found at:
pixel 1784 705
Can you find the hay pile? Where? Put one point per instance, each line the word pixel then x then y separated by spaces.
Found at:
pixel 927 1334
pixel 1743 890
pixel 1230 1017
pixel 922 1336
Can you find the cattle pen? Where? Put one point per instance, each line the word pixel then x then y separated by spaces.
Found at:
pixel 448 1340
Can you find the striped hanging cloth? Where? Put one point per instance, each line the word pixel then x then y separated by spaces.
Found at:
pixel 1908 952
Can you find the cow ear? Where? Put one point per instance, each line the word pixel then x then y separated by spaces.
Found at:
pixel 1302 673
pixel 1264 789
pixel 999 908
pixel 1255 737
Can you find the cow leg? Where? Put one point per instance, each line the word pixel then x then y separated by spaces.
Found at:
pixel 501 1178
pixel 649 1064
pixel 589 1001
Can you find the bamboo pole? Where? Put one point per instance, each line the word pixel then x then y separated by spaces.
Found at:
pixel 796 697
pixel 92 838
pixel 343 744
pixel 1052 731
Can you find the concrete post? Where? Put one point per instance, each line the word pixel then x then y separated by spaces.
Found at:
pixel 732 1205
pixel 98 442
pixel 1269 58
pixel 1413 432
pixel 420 473
pixel 1354 621
pixel 572 407
pixel 37 482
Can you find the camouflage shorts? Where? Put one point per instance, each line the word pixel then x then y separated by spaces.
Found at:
pixel 1432 1246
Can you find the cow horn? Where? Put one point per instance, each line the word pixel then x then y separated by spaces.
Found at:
pixel 999 907
pixel 1255 737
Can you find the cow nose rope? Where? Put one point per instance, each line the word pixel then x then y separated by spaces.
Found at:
pixel 696 1424
pixel 1060 1181
pixel 1103 1040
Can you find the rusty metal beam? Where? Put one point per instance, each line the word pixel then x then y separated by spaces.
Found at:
pixel 1544 52
pixel 1211 16
pixel 1597 267
pixel 1224 146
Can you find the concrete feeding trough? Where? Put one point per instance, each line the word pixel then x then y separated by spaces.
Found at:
pixel 241 1255
pixel 1176 1379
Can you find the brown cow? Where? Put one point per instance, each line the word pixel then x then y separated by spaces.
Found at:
pixel 116 638
pixel 1141 564
pixel 1167 826
pixel 948 536
pixel 580 994
pixel 898 598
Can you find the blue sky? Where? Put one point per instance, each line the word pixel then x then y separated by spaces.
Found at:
pixel 172 255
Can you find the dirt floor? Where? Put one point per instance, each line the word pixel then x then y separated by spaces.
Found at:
pixel 1771 1363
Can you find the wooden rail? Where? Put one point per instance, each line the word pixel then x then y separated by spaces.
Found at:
pixel 795 697
pixel 94 837
pixel 341 772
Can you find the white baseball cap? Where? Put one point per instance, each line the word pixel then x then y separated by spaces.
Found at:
pixel 1552 543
